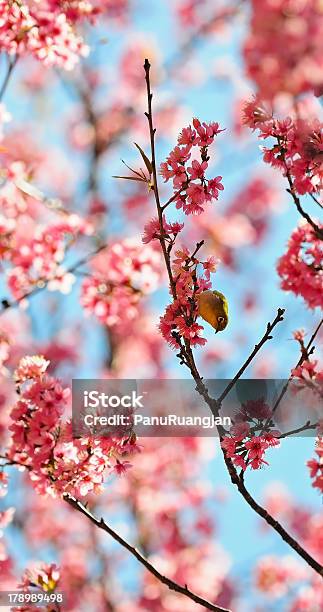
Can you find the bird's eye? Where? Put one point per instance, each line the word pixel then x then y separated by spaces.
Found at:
pixel 220 319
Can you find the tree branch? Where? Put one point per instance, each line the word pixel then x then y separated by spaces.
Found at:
pixel 11 65
pixel 308 425
pixel 267 336
pixel 238 482
pixel 318 230
pixel 173 586
pixel 309 349
pixel 302 212
pixel 152 132
pixel 187 357
pixel 316 200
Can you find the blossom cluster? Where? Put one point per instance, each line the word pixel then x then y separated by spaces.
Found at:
pixel 152 230
pixel 249 438
pixel 57 525
pixel 42 30
pixel 122 274
pixel 188 274
pixel 192 189
pixel 180 318
pixel 308 371
pixel 36 259
pixel 284 48
pixel 42 440
pixel 76 10
pixel 249 451
pixel 301 266
pixel 34 236
pixel 297 148
pixel 47 30
pixel 316 466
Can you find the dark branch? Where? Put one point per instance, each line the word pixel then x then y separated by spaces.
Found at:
pixel 173 586
pixel 152 133
pixel 11 65
pixel 270 520
pixel 305 427
pixel 186 356
pixel 308 350
pixel 302 212
pixel 316 200
pixel 267 336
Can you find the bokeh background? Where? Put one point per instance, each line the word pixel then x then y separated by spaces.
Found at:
pixel 74 129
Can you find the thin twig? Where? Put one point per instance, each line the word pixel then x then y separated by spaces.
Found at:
pixel 305 427
pixel 185 354
pixel 297 202
pixel 173 586
pixel 316 200
pixel 172 199
pixel 187 357
pixel 302 212
pixel 197 248
pixel 270 520
pixel 11 65
pixel 318 230
pixel 267 336
pixel 299 363
pixel 152 132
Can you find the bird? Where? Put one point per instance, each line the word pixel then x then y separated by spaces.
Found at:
pixel 213 308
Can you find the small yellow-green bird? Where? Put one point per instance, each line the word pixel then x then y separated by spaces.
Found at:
pixel 213 308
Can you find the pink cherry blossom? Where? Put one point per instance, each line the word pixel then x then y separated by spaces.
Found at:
pixel 31 367
pixel 123 274
pixel 152 230
pixel 36 29
pixel 283 51
pixel 300 266
pixel 248 451
pixel 316 466
pixel 192 189
pixel 42 439
pixel 297 146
